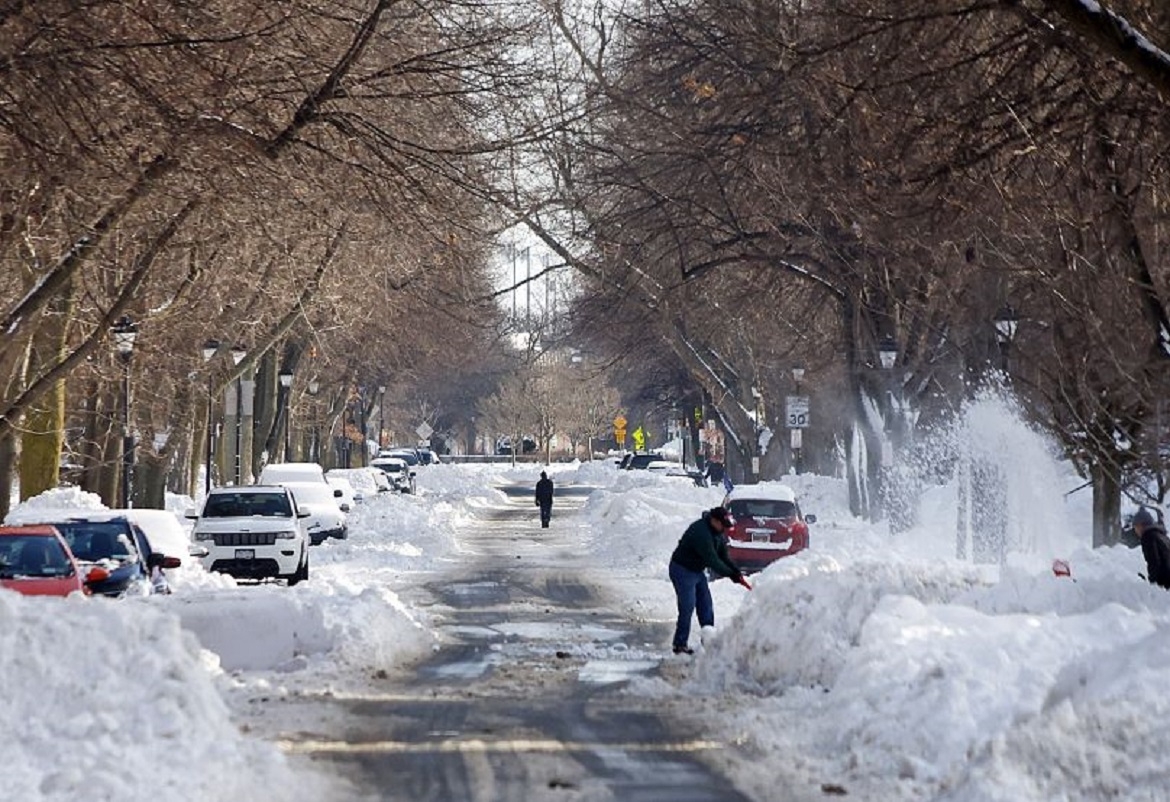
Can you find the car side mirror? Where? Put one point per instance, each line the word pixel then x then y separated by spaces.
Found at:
pixel 196 550
pixel 810 519
pixel 191 513
pixel 344 507
pixel 302 513
pixel 96 574
pixel 337 493
pixel 157 560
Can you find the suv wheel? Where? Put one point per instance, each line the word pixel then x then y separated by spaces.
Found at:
pixel 302 573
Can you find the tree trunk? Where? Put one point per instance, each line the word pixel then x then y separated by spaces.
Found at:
pixel 44 422
pixel 150 478
pixel 230 434
pixel 197 455
pixel 7 465
pixel 263 448
pixel 41 439
pixel 1106 506
pixel 248 428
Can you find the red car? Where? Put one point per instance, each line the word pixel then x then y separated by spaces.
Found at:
pixel 768 525
pixel 36 561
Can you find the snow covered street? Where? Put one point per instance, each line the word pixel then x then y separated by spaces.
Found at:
pixel 451 649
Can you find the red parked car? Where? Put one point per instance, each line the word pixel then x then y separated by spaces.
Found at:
pixel 36 561
pixel 768 525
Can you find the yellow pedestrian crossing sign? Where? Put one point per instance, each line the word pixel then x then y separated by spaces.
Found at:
pixel 639 438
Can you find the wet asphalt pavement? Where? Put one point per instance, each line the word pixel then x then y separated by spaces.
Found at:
pixel 522 701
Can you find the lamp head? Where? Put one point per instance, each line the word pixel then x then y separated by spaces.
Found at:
pixel 1006 321
pixel 125 331
pixel 888 352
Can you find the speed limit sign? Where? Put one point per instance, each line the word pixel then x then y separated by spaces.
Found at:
pixel 796 412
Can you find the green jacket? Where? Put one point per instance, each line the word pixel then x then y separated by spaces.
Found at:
pixel 702 547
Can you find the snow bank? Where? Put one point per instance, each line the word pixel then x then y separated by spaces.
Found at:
pixel 113 701
pixel 804 619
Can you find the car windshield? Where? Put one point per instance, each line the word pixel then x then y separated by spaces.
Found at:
pixel 391 467
pixel 33 556
pixel 409 457
pixel 243 505
pixel 94 541
pixel 762 508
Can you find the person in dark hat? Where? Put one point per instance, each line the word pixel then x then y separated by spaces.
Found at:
pixel 702 547
pixel 1155 546
pixel 544 498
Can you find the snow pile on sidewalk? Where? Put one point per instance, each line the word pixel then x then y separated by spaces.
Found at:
pixel 901 673
pixel 104 700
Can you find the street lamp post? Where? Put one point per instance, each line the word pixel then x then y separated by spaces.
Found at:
pixel 797 432
pixel 125 331
pixel 286 379
pixel 315 438
pixel 363 427
pixel 888 355
pixel 238 354
pixel 209 350
pixel 1006 321
pixel 381 415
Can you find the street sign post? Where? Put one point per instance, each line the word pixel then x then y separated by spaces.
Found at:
pixel 619 431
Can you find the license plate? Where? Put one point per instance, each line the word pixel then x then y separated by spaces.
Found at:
pixel 761 537
pixel 245 554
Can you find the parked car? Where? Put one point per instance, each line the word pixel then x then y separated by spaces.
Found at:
pixel 429 456
pixel 768 525
pixel 107 538
pixel 254 532
pixel 366 482
pixel 349 496
pixel 325 519
pixel 639 462
pixel 672 469
pixel 163 529
pixel 397 471
pixel 407 455
pixel 36 561
pixel 277 473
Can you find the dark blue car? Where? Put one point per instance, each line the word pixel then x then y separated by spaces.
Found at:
pixel 119 546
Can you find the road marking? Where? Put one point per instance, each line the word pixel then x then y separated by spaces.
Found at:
pixel 478 746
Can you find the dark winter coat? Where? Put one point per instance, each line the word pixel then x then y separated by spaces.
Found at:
pixel 544 492
pixel 1156 550
pixel 702 547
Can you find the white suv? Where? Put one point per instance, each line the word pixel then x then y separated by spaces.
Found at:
pixel 253 532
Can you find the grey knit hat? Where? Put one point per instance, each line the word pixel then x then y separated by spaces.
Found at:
pixel 1144 517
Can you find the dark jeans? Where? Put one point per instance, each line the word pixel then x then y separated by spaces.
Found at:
pixel 694 595
pixel 545 514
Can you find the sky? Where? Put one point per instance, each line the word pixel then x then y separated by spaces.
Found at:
pixel 875 662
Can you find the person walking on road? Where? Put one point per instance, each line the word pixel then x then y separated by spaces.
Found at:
pixel 702 546
pixel 544 499
pixel 1155 547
